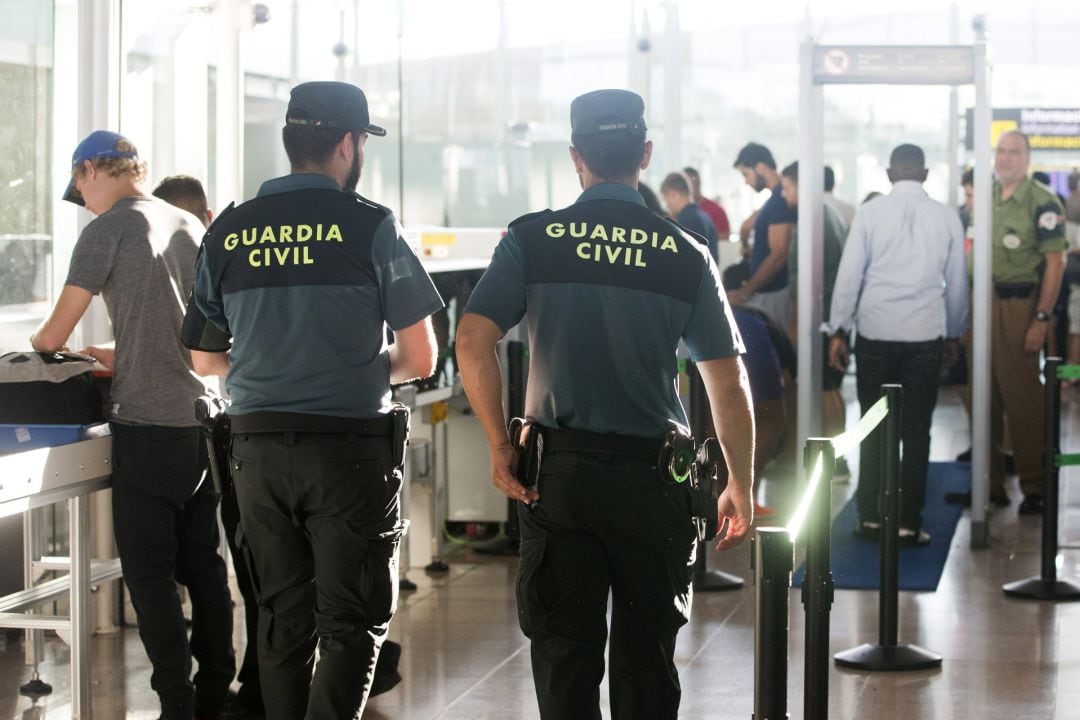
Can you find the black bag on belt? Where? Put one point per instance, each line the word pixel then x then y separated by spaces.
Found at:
pixel 50 389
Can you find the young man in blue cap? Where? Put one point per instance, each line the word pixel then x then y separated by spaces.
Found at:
pixel 607 290
pixel 139 254
pixel 305 279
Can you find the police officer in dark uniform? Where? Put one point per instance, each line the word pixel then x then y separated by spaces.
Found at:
pixel 607 289
pixel 306 278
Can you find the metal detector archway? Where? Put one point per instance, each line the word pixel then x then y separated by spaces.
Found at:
pixel 951 65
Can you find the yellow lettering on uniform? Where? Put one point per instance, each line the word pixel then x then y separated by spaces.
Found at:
pixel 612 253
pixel 334 234
pixel 557 230
pixel 282 255
pixel 578 230
pixel 669 244
pixel 303 233
pixel 582 248
pixel 596 252
pixel 599 233
pixel 249 236
pixel 318 233
pixel 267 235
pixel 626 256
pixel 638 261
pixel 307 257
pixel 638 237
pixel 253 258
pixel 618 234
pixel 231 241
pixel 285 234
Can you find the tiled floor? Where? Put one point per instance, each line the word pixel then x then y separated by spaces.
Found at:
pixel 465 659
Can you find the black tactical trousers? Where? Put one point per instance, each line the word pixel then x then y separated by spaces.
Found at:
pixel 165 521
pixel 320 520
pixel 605 525
pixel 250 692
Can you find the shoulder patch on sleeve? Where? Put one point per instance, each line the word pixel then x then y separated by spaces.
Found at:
pixel 529 217
pixel 1050 219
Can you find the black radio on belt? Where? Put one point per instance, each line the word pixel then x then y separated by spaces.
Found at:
pixel 528 440
pixel 210 412
pixel 684 462
pixel 399 439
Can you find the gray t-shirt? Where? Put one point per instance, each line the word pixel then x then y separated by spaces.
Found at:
pixel 140 257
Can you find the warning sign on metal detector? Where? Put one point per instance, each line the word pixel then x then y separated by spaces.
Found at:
pixel 894 64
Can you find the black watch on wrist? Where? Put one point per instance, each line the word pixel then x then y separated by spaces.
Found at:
pixel 1042 316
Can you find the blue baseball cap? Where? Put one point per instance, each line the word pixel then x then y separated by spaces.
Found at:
pixel 98 144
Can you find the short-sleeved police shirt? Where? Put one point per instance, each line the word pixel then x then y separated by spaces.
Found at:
pixel 306 278
pixel 775 211
pixel 607 290
pixel 1025 227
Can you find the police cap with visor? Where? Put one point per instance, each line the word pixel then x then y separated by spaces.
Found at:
pixel 331 105
pixel 607 111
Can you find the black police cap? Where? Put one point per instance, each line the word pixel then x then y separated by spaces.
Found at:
pixel 603 111
pixel 329 104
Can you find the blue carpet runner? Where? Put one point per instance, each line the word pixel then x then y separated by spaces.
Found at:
pixel 856 562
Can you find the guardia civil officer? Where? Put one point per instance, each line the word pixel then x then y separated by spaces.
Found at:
pixel 306 277
pixel 607 290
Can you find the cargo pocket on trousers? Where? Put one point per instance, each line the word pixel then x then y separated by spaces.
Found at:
pixel 245 551
pixel 680 567
pixel 532 615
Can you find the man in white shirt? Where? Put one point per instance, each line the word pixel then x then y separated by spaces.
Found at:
pixel 903 281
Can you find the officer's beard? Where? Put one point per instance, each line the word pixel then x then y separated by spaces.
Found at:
pixel 353 178
pixel 759 182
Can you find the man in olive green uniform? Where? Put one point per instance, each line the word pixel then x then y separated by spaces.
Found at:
pixel 1028 245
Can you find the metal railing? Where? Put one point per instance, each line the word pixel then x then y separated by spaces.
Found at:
pixel 773 558
pixel 1047 586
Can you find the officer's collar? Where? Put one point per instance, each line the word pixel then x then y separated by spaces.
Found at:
pixel 297 181
pixel 1021 192
pixel 612 191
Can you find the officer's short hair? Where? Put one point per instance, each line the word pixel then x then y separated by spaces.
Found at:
pixel 676 182
pixel 309 145
pixel 830 179
pixel 183 191
pixel 612 156
pixel 907 156
pixel 754 153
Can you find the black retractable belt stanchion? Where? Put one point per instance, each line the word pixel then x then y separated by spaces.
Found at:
pixel 515 405
pixel 887 654
pixel 773 556
pixel 1047 586
pixel 705 580
pixel 817 588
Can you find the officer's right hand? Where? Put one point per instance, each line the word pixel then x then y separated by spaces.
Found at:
pixel 504 475
pixel 736 515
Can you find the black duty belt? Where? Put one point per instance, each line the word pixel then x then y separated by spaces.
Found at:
pixel 583 441
pixel 258 423
pixel 1009 291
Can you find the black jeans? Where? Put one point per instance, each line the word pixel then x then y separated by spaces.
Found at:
pixel 605 524
pixel 320 519
pixel 916 366
pixel 248 676
pixel 165 520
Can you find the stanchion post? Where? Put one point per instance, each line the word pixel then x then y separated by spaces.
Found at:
pixel 1047 586
pixel 889 591
pixel 773 558
pixel 817 590
pixel 888 653
pixel 704 580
